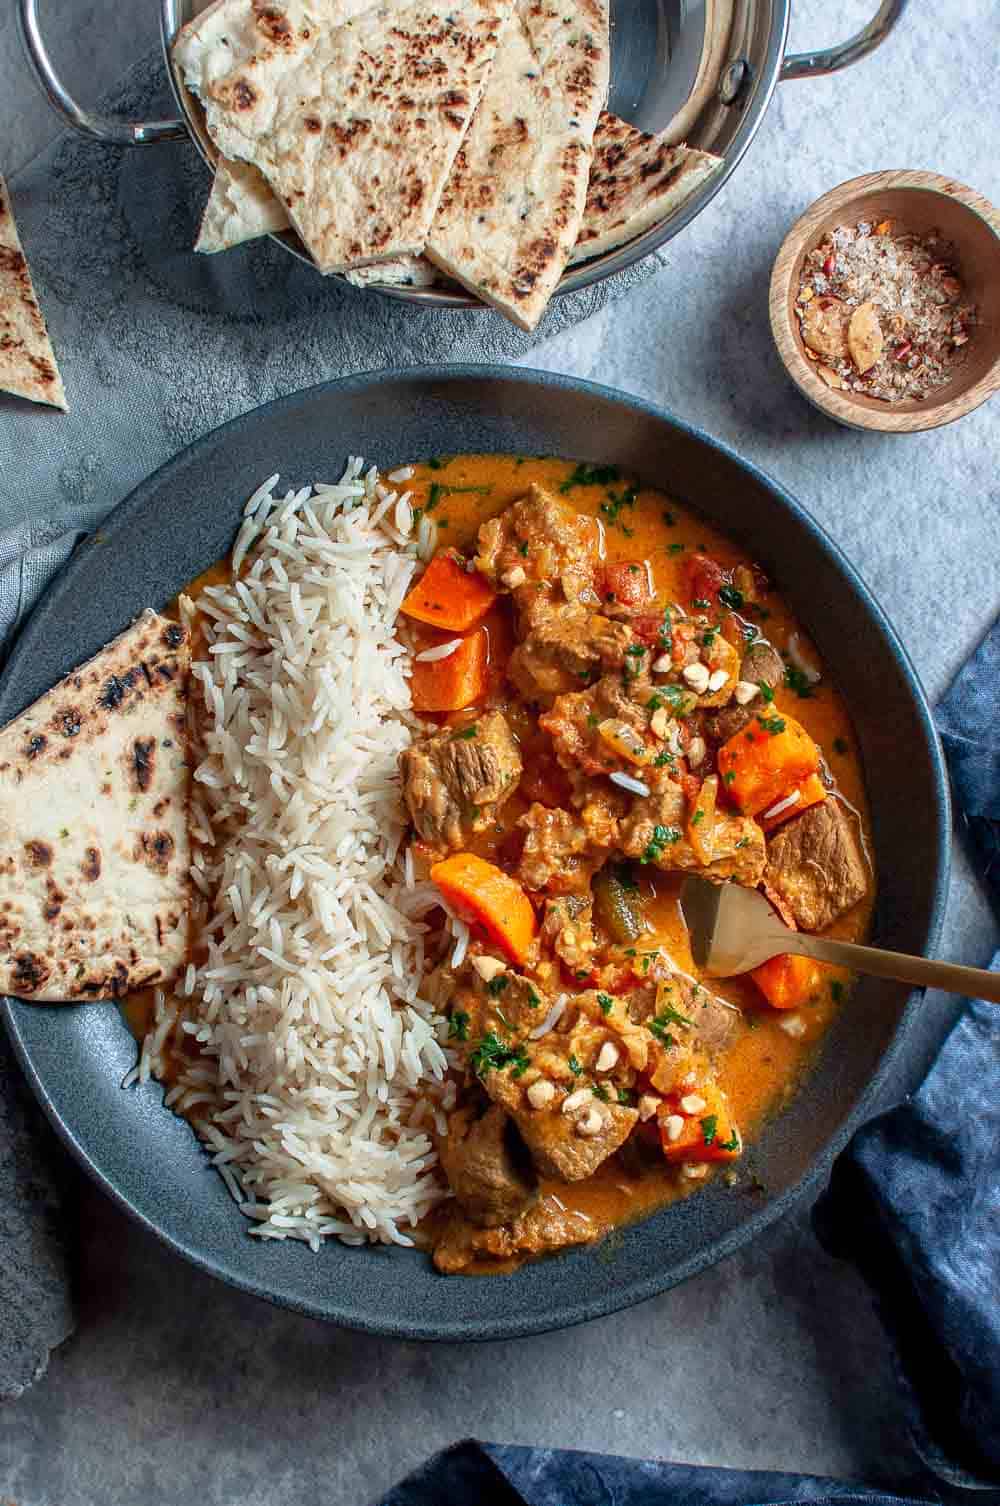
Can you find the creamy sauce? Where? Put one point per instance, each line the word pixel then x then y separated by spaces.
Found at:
pixel 763 1065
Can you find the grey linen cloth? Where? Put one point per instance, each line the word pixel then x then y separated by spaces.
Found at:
pixel 157 346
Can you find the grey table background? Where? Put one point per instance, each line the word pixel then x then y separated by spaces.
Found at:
pixel 176 1389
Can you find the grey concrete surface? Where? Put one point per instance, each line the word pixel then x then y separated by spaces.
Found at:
pixel 175 1389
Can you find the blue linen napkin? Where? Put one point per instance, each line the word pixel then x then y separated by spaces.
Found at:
pixel 492 1474
pixel 915 1199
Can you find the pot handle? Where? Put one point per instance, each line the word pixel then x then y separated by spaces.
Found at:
pixel 830 59
pixel 98 127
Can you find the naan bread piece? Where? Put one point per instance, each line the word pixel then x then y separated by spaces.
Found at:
pixel 236 55
pixel 27 361
pixel 512 208
pixel 240 208
pixel 358 138
pixel 94 851
pixel 407 272
pixel 636 181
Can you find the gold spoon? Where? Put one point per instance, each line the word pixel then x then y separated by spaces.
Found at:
pixel 733 929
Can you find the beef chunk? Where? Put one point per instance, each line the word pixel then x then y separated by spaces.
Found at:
pixel 564 645
pixel 689 1025
pixel 487 1166
pixel 761 665
pixel 654 833
pixel 539 541
pixel 559 853
pixel 574 720
pixel 534 1078
pixel 545 1227
pixel 568 930
pixel 561 1143
pixel 454 783
pixel 816 866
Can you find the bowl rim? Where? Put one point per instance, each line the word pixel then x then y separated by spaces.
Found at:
pixel 846 410
pixel 579 1307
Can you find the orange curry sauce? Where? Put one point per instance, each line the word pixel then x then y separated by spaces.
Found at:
pixel 761 1069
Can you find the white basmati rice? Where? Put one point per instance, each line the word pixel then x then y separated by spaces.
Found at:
pixel 319 1059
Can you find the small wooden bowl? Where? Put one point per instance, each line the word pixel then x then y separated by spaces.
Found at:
pixel 918 202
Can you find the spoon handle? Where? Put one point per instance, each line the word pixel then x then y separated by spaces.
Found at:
pixel 975 982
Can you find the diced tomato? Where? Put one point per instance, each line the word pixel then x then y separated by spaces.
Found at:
pixel 704 578
pixel 629 583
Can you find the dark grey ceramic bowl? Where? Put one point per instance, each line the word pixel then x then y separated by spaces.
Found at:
pixel 182 519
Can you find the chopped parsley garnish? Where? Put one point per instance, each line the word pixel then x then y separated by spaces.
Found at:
pixel 798 681
pixel 729 777
pixel 840 745
pixel 616 501
pixel 590 475
pixel 698 817
pixel 492 1055
pixel 709 1126
pixel 766 693
pixel 458 1026
pixel 533 998
pixel 663 759
pixel 630 951
pixel 709 637
pixel 439 490
pixel 670 518
pixel 733 1144
pixel 593 721
pixel 654 703
pixel 731 597
pixel 434 496
pixel 626 1096
pixel 663 1035
pixel 743 842
pixel 465 734
pixel 837 991
pixel 771 724
pixel 418 513
pixel 674 548
pixel 636 650
pixel 606 1002
pixel 496 986
pixel 679 698
pixel 574 1065
pixel 524 551
pixel 749 633
pixel 599 1091
pixel 586 675
pixel 668 1016
pixel 663 836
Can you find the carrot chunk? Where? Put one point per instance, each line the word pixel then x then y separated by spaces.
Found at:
pixel 810 792
pixel 788 981
pixel 772 756
pixel 452 683
pixel 708 1135
pixel 488 899
pixel 447 596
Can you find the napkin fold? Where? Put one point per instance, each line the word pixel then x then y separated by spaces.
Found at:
pixel 506 1475
pixel 914 1201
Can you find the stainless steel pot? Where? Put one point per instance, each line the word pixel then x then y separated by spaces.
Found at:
pixel 656 48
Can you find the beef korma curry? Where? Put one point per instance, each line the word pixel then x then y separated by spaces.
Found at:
pixel 619 697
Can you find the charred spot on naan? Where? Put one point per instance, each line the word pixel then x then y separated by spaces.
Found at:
pixel 91 865
pixel 155 849
pixel 38 853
